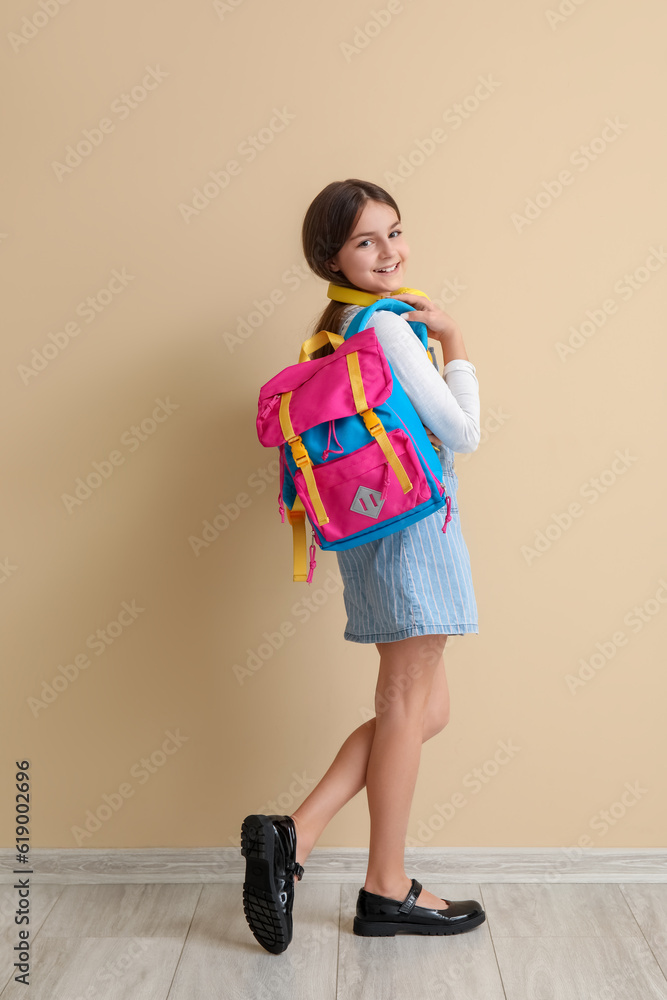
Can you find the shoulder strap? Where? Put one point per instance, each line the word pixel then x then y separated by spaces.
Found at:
pixel 362 319
pixel 303 572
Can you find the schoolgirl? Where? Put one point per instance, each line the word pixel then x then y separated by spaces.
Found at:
pixel 405 592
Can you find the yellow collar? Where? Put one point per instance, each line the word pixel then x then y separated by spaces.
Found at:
pixel 340 293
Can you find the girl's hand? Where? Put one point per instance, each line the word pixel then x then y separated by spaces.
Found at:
pixel 438 323
pixel 435 441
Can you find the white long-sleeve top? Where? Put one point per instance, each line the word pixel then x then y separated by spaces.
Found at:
pixel 447 404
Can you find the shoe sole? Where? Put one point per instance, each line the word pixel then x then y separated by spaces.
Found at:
pixel 389 928
pixel 261 902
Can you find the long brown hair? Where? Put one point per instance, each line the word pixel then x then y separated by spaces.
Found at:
pixel 327 225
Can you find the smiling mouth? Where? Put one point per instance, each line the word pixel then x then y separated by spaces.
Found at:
pixel 388 270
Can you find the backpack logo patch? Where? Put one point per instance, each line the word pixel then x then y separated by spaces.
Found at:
pixel 367 501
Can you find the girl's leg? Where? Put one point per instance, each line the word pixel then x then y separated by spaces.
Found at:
pixel 393 764
pixel 347 774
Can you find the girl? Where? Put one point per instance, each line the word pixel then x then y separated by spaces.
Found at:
pixel 405 592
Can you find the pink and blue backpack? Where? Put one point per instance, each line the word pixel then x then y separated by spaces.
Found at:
pixel 359 464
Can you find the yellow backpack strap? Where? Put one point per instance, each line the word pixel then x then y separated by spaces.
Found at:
pixel 301 457
pixel 321 338
pixel 297 518
pixel 341 293
pixel 373 422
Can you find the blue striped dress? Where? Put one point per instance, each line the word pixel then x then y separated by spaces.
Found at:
pixel 416 581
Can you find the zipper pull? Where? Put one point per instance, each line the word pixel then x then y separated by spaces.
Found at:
pixel 328 451
pixel 449 515
pixel 385 482
pixel 313 563
pixel 281 506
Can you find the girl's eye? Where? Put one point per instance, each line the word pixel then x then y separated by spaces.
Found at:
pixel 399 231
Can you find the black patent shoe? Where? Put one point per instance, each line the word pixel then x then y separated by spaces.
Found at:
pixel 268 843
pixel 382 916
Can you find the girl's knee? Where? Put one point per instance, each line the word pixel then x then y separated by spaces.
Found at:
pixel 401 697
pixel 434 723
pixel 407 671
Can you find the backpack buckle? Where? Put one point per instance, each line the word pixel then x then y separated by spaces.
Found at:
pixel 369 415
pixel 299 453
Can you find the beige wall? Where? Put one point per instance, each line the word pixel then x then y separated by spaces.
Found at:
pixel 157 354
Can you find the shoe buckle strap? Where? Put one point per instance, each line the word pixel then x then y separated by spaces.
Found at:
pixel 411 898
pixel 295 868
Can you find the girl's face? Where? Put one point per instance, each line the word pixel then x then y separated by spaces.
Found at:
pixel 376 242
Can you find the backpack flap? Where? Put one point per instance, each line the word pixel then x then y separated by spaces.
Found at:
pixel 321 389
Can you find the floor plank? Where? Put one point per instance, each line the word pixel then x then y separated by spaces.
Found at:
pixel 558 910
pixel 107 941
pixel 222 958
pixel 649 906
pixel 123 911
pixel 81 968
pixel 585 968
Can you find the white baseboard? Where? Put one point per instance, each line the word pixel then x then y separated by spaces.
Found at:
pixel 345 864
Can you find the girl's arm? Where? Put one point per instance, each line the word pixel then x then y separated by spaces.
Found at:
pixel 448 405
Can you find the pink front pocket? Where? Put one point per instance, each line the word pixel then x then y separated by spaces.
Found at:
pixel 352 488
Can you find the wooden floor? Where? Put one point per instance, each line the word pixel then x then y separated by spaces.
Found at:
pixel 191 942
